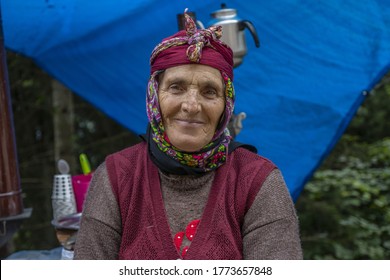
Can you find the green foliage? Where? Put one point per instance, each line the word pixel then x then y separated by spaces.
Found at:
pixel 372 121
pixel 345 212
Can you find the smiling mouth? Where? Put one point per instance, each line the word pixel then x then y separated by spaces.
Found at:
pixel 189 122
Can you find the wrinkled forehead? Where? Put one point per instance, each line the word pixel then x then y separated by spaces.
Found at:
pixel 192 74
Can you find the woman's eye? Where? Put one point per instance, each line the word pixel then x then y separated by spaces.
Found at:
pixel 210 93
pixel 175 88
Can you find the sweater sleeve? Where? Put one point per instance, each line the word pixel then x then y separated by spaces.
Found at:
pixel 270 229
pixel 99 236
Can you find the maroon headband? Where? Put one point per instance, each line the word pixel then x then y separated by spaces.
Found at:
pixel 193 46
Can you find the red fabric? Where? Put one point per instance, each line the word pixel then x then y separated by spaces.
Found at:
pixel 221 57
pixel 178 239
pixel 145 227
pixel 191 229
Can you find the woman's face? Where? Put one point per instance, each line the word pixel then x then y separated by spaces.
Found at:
pixel 192 101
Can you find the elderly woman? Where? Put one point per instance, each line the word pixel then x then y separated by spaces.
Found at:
pixel 188 191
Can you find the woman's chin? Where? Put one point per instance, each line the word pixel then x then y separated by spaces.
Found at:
pixel 188 144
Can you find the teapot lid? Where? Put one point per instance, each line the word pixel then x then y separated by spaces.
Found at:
pixel 224 12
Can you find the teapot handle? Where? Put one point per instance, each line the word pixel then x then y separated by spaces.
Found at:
pixel 246 23
pixel 200 24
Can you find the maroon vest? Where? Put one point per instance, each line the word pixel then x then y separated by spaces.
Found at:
pixel 145 229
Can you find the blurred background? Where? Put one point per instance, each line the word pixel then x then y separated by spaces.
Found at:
pixel 344 209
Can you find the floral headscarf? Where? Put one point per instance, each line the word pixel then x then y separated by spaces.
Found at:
pixel 185 47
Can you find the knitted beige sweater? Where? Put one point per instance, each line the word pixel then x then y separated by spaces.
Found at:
pixel 270 229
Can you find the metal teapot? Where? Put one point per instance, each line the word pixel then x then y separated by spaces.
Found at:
pixel 233 31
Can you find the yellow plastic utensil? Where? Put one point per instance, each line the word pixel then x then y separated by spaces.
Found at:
pixel 85 166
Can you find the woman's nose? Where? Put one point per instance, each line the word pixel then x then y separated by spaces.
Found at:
pixel 191 103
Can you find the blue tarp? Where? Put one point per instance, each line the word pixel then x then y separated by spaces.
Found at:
pixel 299 90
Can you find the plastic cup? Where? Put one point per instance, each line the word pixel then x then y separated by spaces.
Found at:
pixel 80 187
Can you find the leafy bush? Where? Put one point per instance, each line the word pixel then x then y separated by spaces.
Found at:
pixel 345 210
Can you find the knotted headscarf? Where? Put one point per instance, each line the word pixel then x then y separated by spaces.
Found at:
pixel 190 46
